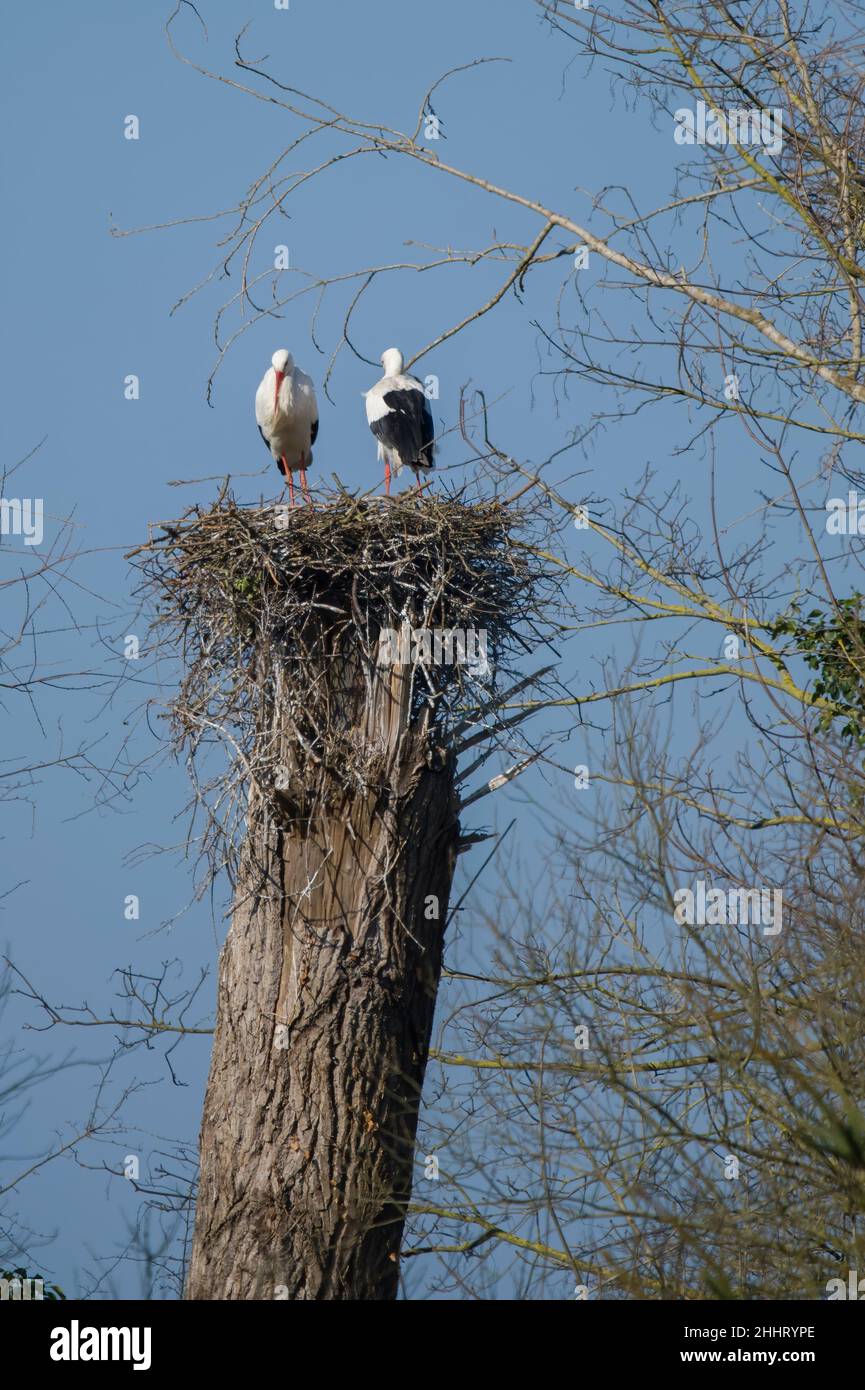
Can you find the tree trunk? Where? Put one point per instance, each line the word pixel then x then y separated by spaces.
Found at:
pixel 344 738
pixel 327 987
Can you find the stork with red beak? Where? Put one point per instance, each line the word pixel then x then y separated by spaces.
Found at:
pixel 287 417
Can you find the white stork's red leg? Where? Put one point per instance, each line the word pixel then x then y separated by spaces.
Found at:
pixel 290 487
pixel 386 476
pixel 304 488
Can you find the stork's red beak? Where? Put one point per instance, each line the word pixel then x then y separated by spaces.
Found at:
pixel 279 376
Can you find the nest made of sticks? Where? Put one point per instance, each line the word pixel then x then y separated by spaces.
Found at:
pixel 280 617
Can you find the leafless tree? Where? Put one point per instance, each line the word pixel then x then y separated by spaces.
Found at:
pixel 38 557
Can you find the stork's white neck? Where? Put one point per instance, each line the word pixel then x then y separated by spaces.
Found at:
pixel 392 361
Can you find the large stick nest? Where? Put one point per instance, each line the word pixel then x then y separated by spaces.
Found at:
pixel 277 615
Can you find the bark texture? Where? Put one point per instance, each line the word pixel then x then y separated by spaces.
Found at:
pixel 327 988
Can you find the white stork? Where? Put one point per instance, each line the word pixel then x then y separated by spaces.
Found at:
pixel 287 417
pixel 400 418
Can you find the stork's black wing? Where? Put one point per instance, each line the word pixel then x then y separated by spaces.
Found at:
pixel 407 427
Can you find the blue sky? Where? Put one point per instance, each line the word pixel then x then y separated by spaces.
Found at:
pixel 82 309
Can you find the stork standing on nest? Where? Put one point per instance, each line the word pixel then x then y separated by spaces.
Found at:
pixel 400 418
pixel 287 417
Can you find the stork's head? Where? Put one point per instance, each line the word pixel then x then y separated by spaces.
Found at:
pixel 282 365
pixel 392 361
